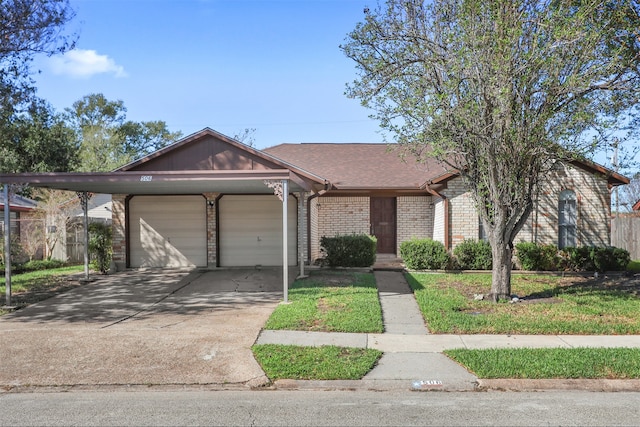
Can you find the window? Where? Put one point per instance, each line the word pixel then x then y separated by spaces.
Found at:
pixel 482 234
pixel 14 219
pixel 567 218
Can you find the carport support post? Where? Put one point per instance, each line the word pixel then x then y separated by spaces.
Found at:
pixel 7 246
pixel 285 240
pixel 84 201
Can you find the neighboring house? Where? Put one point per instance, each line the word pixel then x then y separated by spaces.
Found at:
pixel 20 208
pixel 636 206
pixel 210 201
pixel 20 218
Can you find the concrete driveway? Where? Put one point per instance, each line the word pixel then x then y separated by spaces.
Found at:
pixel 143 327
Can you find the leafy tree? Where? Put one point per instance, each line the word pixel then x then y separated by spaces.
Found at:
pixel 55 211
pixel 630 194
pixel 108 140
pixel 142 138
pixel 27 28
pixel 246 136
pixel 499 90
pixel 37 140
pixel 97 120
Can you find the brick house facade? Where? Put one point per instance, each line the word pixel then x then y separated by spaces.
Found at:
pixel 210 201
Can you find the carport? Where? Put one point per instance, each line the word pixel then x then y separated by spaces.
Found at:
pixel 275 182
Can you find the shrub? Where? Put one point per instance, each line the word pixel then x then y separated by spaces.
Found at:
pixel 577 259
pixel 424 254
pixel 536 257
pixel 44 264
pixel 355 250
pixel 582 258
pixel 609 258
pixel 18 255
pixel 100 246
pixel 473 255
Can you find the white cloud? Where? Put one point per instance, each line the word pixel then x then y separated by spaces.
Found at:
pixel 82 63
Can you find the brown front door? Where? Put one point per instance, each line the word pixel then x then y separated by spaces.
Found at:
pixel 383 223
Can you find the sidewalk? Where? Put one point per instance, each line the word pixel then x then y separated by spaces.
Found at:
pixel 413 358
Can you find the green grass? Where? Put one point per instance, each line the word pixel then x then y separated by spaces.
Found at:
pixel 530 363
pixel 31 287
pixel 552 305
pixel 314 363
pixel 634 266
pixel 331 302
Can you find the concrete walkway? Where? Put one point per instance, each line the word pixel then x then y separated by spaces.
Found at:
pixel 413 357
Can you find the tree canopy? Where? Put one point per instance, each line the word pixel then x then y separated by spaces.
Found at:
pixel 29 28
pixel 37 140
pixel 107 140
pixel 499 90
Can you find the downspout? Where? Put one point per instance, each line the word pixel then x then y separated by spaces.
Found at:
pixel 446 215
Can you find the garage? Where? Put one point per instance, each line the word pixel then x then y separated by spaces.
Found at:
pixel 250 229
pixel 167 231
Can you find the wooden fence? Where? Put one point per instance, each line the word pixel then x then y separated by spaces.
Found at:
pixel 625 234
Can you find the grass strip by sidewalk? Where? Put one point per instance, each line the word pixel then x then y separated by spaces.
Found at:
pixel 549 363
pixel 314 363
pixel 331 301
pixel 549 305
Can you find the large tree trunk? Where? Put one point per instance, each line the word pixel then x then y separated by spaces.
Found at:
pixel 502 253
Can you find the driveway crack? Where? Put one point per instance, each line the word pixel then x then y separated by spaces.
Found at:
pixel 148 308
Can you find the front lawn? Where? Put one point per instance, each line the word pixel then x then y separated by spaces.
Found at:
pixel 326 301
pixel 548 305
pixel 331 301
pixel 34 286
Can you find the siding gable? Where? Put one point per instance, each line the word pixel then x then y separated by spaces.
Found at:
pixel 205 153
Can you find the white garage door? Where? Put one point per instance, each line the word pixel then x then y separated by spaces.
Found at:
pixel 167 231
pixel 251 230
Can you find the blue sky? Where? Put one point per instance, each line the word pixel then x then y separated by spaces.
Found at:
pixel 271 65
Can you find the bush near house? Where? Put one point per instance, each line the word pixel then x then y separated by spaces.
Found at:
pixel 535 257
pixel 424 254
pixel 473 255
pixel 355 250
pixel 100 246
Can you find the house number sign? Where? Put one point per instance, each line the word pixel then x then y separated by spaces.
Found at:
pixel 146 178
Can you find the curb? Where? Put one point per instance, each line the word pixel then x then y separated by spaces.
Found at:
pixel 524 385
pixel 596 385
pixel 369 385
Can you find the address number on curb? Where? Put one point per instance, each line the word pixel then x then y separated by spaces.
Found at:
pixel 146 178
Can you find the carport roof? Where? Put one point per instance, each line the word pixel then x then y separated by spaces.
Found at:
pixel 161 182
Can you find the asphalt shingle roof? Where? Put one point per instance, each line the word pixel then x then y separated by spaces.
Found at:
pixel 359 166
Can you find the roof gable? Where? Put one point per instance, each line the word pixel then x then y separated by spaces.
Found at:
pixel 204 150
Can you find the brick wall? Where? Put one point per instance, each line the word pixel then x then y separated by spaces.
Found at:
pixel 118 227
pixel 212 249
pixel 331 216
pixel 340 215
pixel 313 230
pixel 302 199
pixel 593 208
pixel 414 218
pixel 593 201
pixel 462 213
